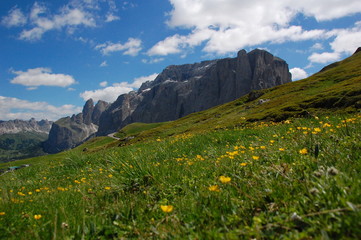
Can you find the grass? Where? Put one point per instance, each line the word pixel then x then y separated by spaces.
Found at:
pixel 134 129
pixel 236 171
pixel 274 190
pixel 21 145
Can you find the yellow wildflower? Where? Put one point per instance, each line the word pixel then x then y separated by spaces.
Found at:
pixel 37 216
pixel 2 213
pixel 224 179
pixel 107 188
pixel 317 129
pixel 255 157
pixel 214 188
pixel 243 164
pixel 166 208
pixel 303 151
pixel 281 149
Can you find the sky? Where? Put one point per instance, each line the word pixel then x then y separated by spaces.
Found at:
pixel 54 55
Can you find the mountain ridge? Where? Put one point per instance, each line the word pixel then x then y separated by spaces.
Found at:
pixel 176 92
pixel 17 125
pixel 183 89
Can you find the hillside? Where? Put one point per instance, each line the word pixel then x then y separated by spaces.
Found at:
pixel 276 163
pixel 22 139
pixel 335 89
pixel 21 145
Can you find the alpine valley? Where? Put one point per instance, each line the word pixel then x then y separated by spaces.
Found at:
pixel 222 149
pixel 22 139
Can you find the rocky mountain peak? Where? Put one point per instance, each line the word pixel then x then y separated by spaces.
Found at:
pixel 16 126
pixel 88 111
pixel 183 89
pixel 69 132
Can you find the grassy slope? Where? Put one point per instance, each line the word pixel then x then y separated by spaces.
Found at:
pixel 334 90
pixel 21 145
pixel 274 190
pixel 136 128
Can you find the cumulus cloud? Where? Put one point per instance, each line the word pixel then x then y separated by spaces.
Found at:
pixel 298 73
pixel 317 46
pixel 73 15
pixel 345 41
pixel 132 47
pixel 68 17
pixel 15 108
pixel 228 25
pixel 111 93
pixel 324 57
pixel 35 77
pixel 14 18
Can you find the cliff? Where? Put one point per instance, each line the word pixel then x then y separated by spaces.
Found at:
pixel 69 132
pixel 184 89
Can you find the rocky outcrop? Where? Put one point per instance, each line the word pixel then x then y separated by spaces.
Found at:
pixel 71 131
pixel 181 90
pixel 17 126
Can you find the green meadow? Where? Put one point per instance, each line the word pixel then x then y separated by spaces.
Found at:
pixel 294 179
pixel 287 167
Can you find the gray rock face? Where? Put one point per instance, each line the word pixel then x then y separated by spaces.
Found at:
pixel 181 90
pixel 119 112
pixel 98 110
pixel 71 131
pixel 16 126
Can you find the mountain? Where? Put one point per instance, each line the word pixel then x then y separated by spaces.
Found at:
pixel 335 90
pixel 184 89
pixel 69 132
pixel 16 126
pixel 176 92
pixel 22 139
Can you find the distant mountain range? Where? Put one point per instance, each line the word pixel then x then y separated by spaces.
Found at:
pixel 22 139
pixel 16 126
pixel 175 93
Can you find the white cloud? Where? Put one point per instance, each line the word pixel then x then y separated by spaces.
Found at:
pixel 152 60
pixel 103 64
pixel 132 47
pixel 40 20
pixel 324 57
pixel 35 77
pixel 345 41
pixel 108 94
pixel 14 18
pixel 111 17
pixel 15 108
pixel 317 46
pixel 228 25
pixel 103 84
pixel 111 93
pixel 137 82
pixel 298 73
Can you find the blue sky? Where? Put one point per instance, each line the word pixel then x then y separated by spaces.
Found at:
pixel 54 55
